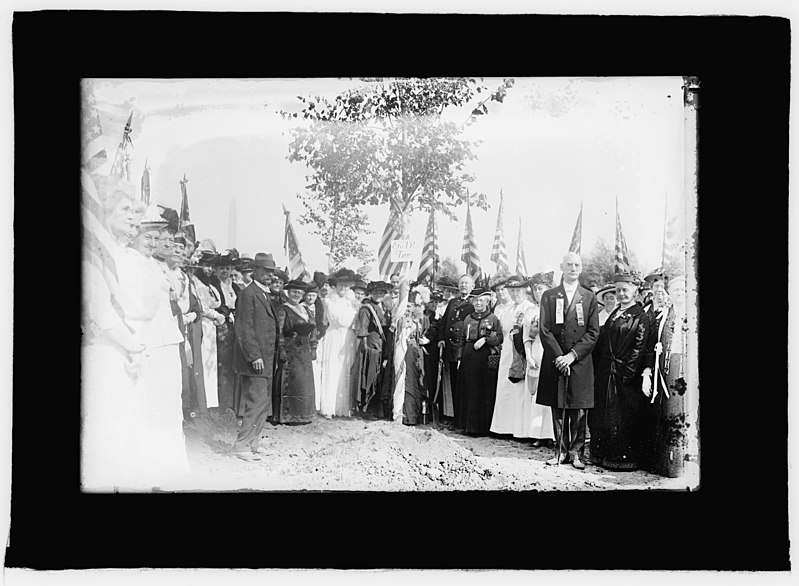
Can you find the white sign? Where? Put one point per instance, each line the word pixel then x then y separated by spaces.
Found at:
pixel 403 250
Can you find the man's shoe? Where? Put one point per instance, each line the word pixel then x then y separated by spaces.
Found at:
pixel 577 463
pixel 554 461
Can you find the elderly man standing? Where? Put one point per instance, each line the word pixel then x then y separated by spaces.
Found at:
pixel 569 328
pixel 450 338
pixel 257 343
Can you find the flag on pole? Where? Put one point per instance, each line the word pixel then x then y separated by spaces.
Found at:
pixel 621 263
pixel 499 254
pixel 145 184
pixel 185 222
pixel 428 268
pixel 292 249
pixel 232 224
pixel 521 263
pixel 469 253
pixel 578 233
pixel 395 229
pixel 121 165
pixel 93 154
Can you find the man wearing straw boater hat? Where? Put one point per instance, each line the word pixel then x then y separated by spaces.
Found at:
pixel 569 328
pixel 258 345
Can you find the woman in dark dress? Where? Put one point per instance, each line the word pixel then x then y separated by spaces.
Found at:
pixel 477 384
pixel 618 423
pixel 294 395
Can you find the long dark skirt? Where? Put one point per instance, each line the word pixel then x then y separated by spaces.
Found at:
pixel 617 424
pixel 666 440
pixel 477 389
pixel 294 396
pixel 226 377
pixel 414 387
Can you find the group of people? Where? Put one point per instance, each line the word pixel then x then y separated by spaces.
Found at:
pixel 184 328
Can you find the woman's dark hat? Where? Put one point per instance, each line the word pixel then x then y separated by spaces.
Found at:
pixel 284 277
pixel 480 291
pixel 311 287
pixel 296 284
pixel 655 276
pixel 626 278
pixel 379 285
pixel 319 278
pixel 436 296
pixel 208 257
pixel 264 260
pixel 342 275
pixel 516 282
pixel 359 284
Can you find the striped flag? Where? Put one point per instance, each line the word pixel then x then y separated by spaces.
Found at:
pixel 578 233
pixel 395 229
pixel 94 156
pixel 499 254
pixel 621 264
pixel 185 222
pixel 292 249
pixel 521 263
pixel 121 165
pixel 469 253
pixel 145 184
pixel 428 268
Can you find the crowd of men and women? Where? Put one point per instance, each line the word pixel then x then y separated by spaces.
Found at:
pixel 191 328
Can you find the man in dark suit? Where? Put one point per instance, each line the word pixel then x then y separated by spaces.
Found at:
pixel 450 339
pixel 257 343
pixel 569 328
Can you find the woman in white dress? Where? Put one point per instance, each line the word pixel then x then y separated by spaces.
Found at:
pixel 512 408
pixel 337 348
pixel 211 301
pixel 112 357
pixel 539 418
pixel 163 448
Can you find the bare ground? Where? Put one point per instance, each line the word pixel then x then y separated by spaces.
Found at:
pixel 351 454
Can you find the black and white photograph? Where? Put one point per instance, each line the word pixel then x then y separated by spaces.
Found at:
pixel 389 284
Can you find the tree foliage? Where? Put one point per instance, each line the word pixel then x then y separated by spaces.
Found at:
pixel 387 142
pixel 449 268
pixel 598 264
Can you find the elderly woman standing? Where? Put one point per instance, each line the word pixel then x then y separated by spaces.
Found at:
pixel 539 419
pixel 294 385
pixel 164 448
pixel 617 427
pixel 225 333
pixel 337 349
pixel 211 300
pixel 477 384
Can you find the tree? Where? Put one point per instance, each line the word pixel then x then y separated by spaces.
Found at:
pixel 387 142
pixel 449 268
pixel 598 264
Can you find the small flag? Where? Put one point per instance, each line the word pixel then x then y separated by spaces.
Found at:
pixel 521 263
pixel 395 229
pixel 621 263
pixel 292 249
pixel 428 268
pixel 185 222
pixel 145 184
pixel 499 254
pixel 121 165
pixel 94 156
pixel 469 253
pixel 578 233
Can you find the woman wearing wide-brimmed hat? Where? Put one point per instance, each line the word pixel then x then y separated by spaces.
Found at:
pixel 337 348
pixel 211 300
pixel 294 397
pixel 617 425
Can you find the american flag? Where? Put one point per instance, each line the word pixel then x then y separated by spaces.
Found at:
pixel 121 165
pixel 578 233
pixel 499 253
pixel 469 253
pixel 621 264
pixel 521 263
pixel 185 222
pixel 292 249
pixel 428 268
pixel 145 184
pixel 395 229
pixel 93 145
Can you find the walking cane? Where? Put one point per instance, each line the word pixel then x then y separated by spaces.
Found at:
pixel 563 381
pixel 439 382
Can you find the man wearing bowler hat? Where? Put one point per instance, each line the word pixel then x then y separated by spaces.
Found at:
pixel 257 347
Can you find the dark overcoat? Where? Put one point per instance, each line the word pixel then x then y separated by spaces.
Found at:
pixel 559 339
pixel 256 332
pixel 451 327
